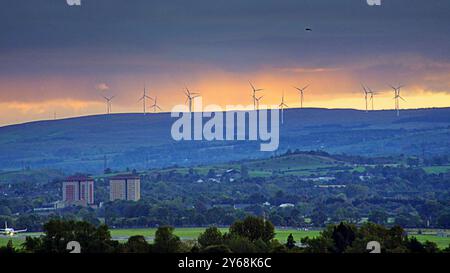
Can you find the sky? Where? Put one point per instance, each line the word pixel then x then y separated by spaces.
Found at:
pixel 58 60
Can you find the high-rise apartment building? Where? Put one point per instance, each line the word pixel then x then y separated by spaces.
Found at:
pixel 125 187
pixel 78 190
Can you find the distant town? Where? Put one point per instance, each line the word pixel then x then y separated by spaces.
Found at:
pixel 80 191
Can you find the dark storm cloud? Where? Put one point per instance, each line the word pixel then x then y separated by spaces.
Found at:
pixel 233 32
pixel 104 39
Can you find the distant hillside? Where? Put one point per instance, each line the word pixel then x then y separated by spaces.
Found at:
pixel 299 164
pixel 138 141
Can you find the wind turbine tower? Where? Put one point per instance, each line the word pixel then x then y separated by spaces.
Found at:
pixel 190 96
pixel 155 105
pixel 366 97
pixel 144 98
pixel 397 98
pixel 372 96
pixel 257 102
pixel 255 90
pixel 108 104
pixel 301 90
pixel 281 106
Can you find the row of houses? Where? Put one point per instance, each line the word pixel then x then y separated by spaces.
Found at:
pixel 80 191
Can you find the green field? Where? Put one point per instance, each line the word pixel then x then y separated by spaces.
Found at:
pixel 294 164
pixel 437 169
pixel 193 233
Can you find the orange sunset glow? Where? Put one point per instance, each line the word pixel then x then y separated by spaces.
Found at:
pixel 66 72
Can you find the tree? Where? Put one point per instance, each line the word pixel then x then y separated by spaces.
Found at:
pixel 290 242
pixel 217 249
pixel 211 236
pixel 4 210
pixel 413 161
pixel 343 236
pixel 378 217
pixel 415 246
pixel 166 241
pixel 32 244
pixel 239 244
pixel 58 233
pixel 8 249
pixel 408 220
pixel 254 228
pixel 430 247
pixel 137 244
pixel 244 171
pixel 318 217
pixel 443 219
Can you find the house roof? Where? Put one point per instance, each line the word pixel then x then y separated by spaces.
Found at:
pixel 124 176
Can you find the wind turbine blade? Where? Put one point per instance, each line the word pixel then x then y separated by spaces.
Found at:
pixel 402 98
pixel 251 85
pixel 393 88
pixel 159 107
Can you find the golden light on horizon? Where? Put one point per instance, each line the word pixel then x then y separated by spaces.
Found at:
pixel 329 88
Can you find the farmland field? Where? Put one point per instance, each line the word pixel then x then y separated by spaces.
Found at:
pixel 437 169
pixel 193 233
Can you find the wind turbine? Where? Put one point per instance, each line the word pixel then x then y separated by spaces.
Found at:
pixel 143 99
pixel 108 104
pixel 397 97
pixel 155 105
pixel 372 96
pixel 254 94
pixel 282 105
pixel 366 96
pixel 190 97
pixel 257 101
pixel 301 90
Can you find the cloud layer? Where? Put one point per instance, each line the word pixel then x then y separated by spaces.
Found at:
pixel 50 52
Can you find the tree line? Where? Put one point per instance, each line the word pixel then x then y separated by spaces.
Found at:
pixel 250 235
